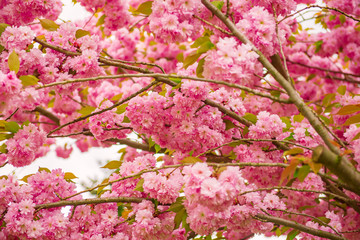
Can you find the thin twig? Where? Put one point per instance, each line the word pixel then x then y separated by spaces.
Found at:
pixel 12 114
pixel 213 25
pixel 106 109
pixel 287 75
pixel 159 75
pixel 300 190
pixel 63 203
pixel 298 226
pixel 307 215
pixel 216 165
pixel 317 6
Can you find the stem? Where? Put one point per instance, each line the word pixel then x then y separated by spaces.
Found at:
pixel 88 201
pixel 106 109
pixel 299 226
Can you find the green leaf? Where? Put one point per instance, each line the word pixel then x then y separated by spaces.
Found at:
pixel 318 45
pixel 200 68
pixel 179 217
pixel 120 210
pixel 218 4
pixel 151 142
pixel 86 110
pixel 292 39
pixel 81 33
pixel 112 164
pixel 4 136
pixel 342 19
pixel 357 136
pixel 290 137
pixel 206 46
pixel 293 151
pixel 287 121
pixel 348 109
pixel 25 178
pixel 122 108
pixel 352 120
pixel 101 20
pixel 229 124
pixel 191 160
pixel 145 8
pixel 275 93
pixel 250 117
pixel 44 169
pixel 157 148
pixel 49 24
pixel 199 41
pixel 303 172
pixel 126 120
pixel 69 176
pixel 291 235
pixel 191 59
pixel 177 205
pixel 311 76
pixel 325 119
pixel 328 99
pixel 341 90
pixel 3 148
pixel 117 97
pixel 12 127
pixel 14 62
pixel 324 219
pixel 29 80
pixel 177 80
pixel 139 186
pixel 3 26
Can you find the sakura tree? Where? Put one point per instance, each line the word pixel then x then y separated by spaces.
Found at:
pixel 236 119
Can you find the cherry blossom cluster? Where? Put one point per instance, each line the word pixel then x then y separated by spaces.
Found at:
pixel 23 148
pixel 17 12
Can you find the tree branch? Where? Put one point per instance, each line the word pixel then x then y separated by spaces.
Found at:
pixel 88 201
pixel 301 227
pixel 106 109
pixel 339 166
pixel 293 94
pixel 48 114
pixel 216 165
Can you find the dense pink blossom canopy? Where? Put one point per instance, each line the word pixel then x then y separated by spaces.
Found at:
pixel 231 118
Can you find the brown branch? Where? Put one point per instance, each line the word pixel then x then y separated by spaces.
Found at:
pixel 293 94
pixel 48 114
pixel 297 100
pixel 213 25
pixel 345 199
pixel 160 76
pixel 137 145
pixel 88 201
pixel 12 114
pixel 86 133
pixel 307 215
pixel 216 165
pixel 56 48
pixel 339 166
pixel 298 226
pixel 141 63
pixel 317 6
pixel 106 109
pixel 326 70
